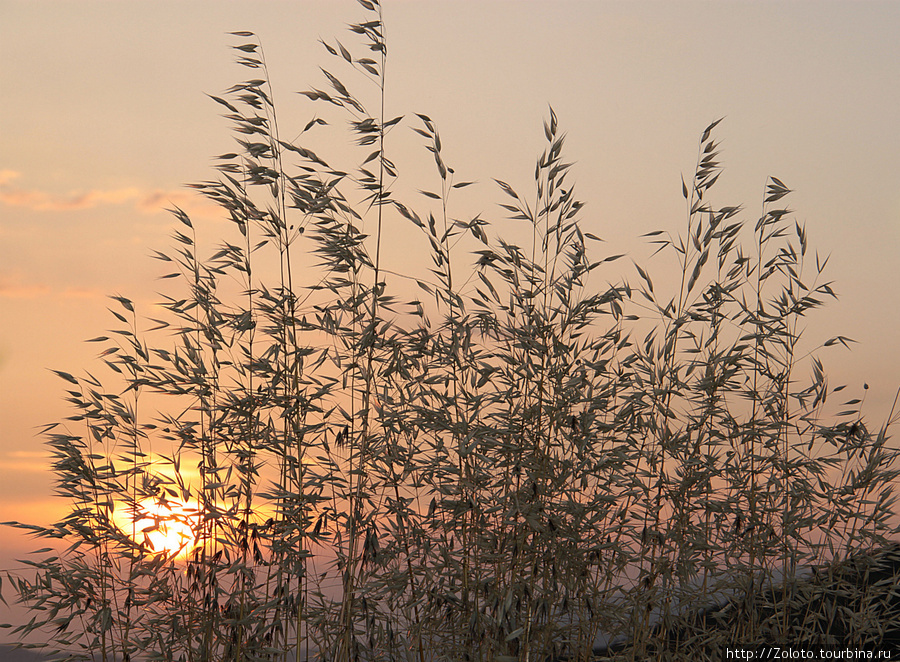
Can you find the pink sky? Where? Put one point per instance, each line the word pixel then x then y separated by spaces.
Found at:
pixel 103 119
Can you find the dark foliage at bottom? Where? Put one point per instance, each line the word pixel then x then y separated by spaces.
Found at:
pixel 852 604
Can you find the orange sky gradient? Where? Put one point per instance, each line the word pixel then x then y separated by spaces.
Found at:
pixel 104 118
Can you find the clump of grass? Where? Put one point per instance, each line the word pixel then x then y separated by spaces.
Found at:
pixel 511 466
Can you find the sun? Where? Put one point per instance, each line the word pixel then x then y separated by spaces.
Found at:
pixel 168 527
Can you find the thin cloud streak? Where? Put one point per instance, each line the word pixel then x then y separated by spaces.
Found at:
pixel 19 466
pixel 147 202
pixel 14 286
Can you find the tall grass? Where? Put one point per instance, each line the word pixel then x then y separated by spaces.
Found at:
pixel 507 462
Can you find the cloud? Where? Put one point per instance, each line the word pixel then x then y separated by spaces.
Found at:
pixel 148 202
pixel 82 293
pixel 28 454
pixel 18 463
pixel 7 176
pixel 14 285
pixel 19 467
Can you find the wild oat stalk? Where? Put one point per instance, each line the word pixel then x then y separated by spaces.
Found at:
pixel 507 468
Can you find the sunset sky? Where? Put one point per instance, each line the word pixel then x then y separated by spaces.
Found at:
pixel 104 117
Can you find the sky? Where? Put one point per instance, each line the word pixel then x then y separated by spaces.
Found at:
pixel 104 117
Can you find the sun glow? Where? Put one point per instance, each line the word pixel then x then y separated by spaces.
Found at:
pixel 164 526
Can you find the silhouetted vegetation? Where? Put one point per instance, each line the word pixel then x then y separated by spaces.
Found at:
pixel 500 456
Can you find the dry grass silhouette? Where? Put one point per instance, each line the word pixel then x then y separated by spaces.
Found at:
pixel 504 457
